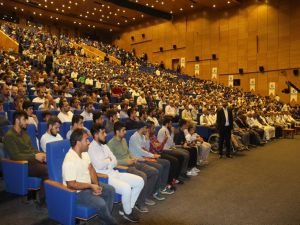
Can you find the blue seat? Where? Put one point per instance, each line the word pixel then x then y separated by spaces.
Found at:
pixel 109 136
pixel 61 201
pixel 31 130
pixel 16 179
pixel 36 105
pixel 123 120
pixel 78 111
pixel 42 128
pixel 128 135
pixel 64 128
pixel 10 114
pixel 39 115
pixel 88 124
pixel 175 125
pixel 204 131
pixel 157 128
pixel 3 114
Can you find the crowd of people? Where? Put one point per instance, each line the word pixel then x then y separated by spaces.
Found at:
pixel 51 74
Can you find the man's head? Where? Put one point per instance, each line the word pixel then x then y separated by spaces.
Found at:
pixel 151 127
pixel 20 119
pixel 183 124
pixel 167 121
pixel 98 118
pixel 79 140
pixel 119 129
pixel 99 134
pixel 28 107
pixel 77 121
pixel 64 106
pixel 141 128
pixel 111 115
pixel 89 107
pixel 53 125
pixel 131 113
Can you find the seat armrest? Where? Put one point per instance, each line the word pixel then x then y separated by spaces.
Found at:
pixel 102 178
pixel 59 185
pixel 121 168
pixel 14 161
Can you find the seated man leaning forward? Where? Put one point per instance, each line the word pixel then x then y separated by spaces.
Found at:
pixel 79 174
pixel 126 184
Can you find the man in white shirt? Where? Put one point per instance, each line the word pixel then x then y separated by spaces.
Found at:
pixel 126 184
pixel 79 174
pixel 52 133
pixel 88 111
pixel 77 122
pixel 40 98
pixel 65 114
pixel 170 109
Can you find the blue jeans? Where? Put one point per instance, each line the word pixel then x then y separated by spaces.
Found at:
pixel 102 203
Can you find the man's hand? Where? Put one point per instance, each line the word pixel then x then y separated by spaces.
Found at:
pixel 131 162
pixel 156 156
pixel 41 157
pixel 97 190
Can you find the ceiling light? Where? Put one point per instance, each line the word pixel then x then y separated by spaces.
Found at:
pixel 100 19
pixel 46 6
pixel 181 9
pixel 76 3
pixel 228 2
pixel 74 22
pixel 34 13
pixel 22 10
pixel 214 5
pixel 69 7
pixel 111 30
pixel 56 18
pixel 192 6
pixel 40 14
pixel 63 6
pixel 133 18
pixel 51 3
pixel 94 26
pixel 15 8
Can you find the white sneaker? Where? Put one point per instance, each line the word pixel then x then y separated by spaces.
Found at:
pixel 192 173
pixel 195 170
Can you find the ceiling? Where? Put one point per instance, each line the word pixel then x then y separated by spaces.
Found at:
pixel 106 15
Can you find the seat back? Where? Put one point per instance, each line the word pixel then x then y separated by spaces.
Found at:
pixel 128 135
pixel 42 128
pixel 88 124
pixel 64 128
pixel 32 134
pixel 56 152
pixel 15 176
pixel 109 136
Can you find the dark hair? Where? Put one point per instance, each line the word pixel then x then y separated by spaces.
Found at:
pixel 96 115
pixel 77 135
pixel 96 128
pixel 110 113
pixel 149 123
pixel 118 126
pixel 45 113
pixel 61 102
pixel 167 119
pixel 53 120
pixel 130 111
pixel 182 122
pixel 76 119
pixel 18 115
pixel 88 103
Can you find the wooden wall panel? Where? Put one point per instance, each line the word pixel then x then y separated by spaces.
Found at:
pixel 249 36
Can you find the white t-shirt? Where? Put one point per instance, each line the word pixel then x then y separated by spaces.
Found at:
pixel 47 138
pixel 76 168
pixel 87 116
pixel 65 117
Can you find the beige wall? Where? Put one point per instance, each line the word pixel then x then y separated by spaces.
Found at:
pixel 247 36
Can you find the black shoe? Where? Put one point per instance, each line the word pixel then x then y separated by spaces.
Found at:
pixel 221 156
pixel 229 156
pixel 130 217
pixel 184 177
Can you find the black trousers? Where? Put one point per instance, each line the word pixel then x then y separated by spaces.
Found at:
pixel 174 166
pixel 38 169
pixel 224 135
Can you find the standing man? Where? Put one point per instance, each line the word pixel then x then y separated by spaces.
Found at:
pixel 224 125
pixel 79 174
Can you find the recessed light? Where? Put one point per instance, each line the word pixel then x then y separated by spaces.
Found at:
pixel 228 2
pixel 214 5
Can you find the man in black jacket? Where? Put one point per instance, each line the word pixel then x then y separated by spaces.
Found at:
pixel 224 125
